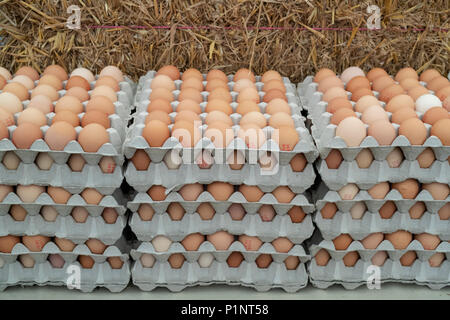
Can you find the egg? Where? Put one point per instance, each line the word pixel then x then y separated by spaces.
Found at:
pixel 427 101
pixel 67 116
pixel 350 259
pixel 250 243
pixel 296 214
pixel 192 73
pixel 251 193
pixel 236 159
pixel 414 130
pixel 376 73
pixel 333 93
pixel 3 82
pixel 242 84
pixel 403 114
pixel 86 140
pixel 162 81
pixel 107 164
pixel 382 82
pixel 29 72
pixel 235 259
pixel 86 262
pixel 266 212
pixel 357 82
pixel 4 133
pixel 365 102
pixel 190 192
pixel 76 162
pixel 406 73
pixel 428 75
pixel 323 73
pixel 372 240
pixel 383 131
pixel 42 103
pixel 298 162
pixel 18 213
pixel 35 243
pixel 263 261
pixel 6 120
pixel 254 117
pixel 441 129
pixel 395 158
pixel 291 262
pixel 426 158
pixel 428 241
pixel 146 212
pixel 358 210
pixel 341 114
pixel 253 136
pixel 57 71
pixel 83 72
pixel 94 116
pixel 156 133
pixel 409 83
pixel 342 242
pixel 329 210
pixel 115 262
pixel 417 92
pixel 277 105
pixel 25 135
pixel 52 81
pixel 349 191
pixel 32 115
pixel 157 193
pixel 79 214
pixel 408 188
pixel 69 103
pixel 334 159
pixel 399 102
pixel 59 134
pixel 322 257
pixel 205 211
pixel 216 74
pixel 337 104
pixel 193 241
pixel 444 212
pixel 351 72
pixel 283 194
pixel 96 246
pixel 379 258
pixel 438 83
pixel 29 193
pixel 236 211
pixel 246 107
pixel 282 244
pixel 106 92
pixel 364 159
pixel 272 95
pixel 286 137
pixel 26 260
pixel 221 240
pixel 352 131
pixel 436 259
pixel 49 213
pixel 251 94
pixel 176 260
pixel 172 159
pixel 390 92
pixel 23 80
pixel 147 260
pixel 205 259
pixel 91 196
pixel 107 81
pixel 170 71
pixel 10 160
pixel 7 243
pixel 219 94
pixel 271 75
pixel 161 243
pixel 374 113
pixel 186 104
pixel 112 71
pixel 9 102
pixel 439 191
pixel 274 84
pixel 46 90
pixel 408 258
pixel 65 245
pixel 5 73
pixel 193 83
pixel 387 210
pixel 244 73
pixel 140 160
pixel 58 194
pixel 361 92
pixel 399 239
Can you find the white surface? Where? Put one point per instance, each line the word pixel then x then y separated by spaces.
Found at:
pixel 387 291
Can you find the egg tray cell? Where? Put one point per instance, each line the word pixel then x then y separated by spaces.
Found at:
pixel 112 149
pixel 305 145
pixel 249 174
pixel 64 227
pixel 420 273
pixel 323 196
pixel 109 201
pixel 191 274
pixel 60 175
pixel 358 229
pixel 251 225
pixel 43 274
pixel 220 206
pixel 379 171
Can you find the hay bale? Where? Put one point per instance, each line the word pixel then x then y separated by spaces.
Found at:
pixel 35 34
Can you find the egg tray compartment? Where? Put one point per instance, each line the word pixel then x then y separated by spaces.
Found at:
pixel 305 145
pixel 112 149
pixel 251 225
pixel 250 174
pixel 324 195
pixel 64 227
pixel 220 206
pixel 328 140
pixel 43 274
pixel 379 171
pixel 358 229
pixel 191 274
pixel 34 208
pixel 60 175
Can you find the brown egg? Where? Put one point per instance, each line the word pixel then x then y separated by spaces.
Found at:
pixel 266 212
pixel 428 75
pixel 337 104
pixel 104 91
pixel 187 115
pixel 163 94
pixel 206 211
pixel 379 191
pixel 76 162
pixel 282 244
pixel 281 119
pixel 69 103
pixel 140 160
pixel 107 164
pixel 296 214
pixel 271 75
pixel 190 192
pixel 247 106
pixel 86 262
pixel 439 191
pixel 221 93
pixel 23 80
pixel 35 243
pixel 286 137
pixel 414 130
pixel 251 193
pixel 65 245
pixel 78 81
pixel 156 133
pixel 438 83
pixel 298 162
pixel 91 196
pixel 406 73
pixel 382 82
pixel 387 210
pixel 176 211
pixel 236 160
pixel 176 260
pixel 364 159
pixel 193 83
pixel 244 73
pixel 341 114
pixel 250 243
pixel 218 105
pixel 361 92
pixel 426 158
pixel 283 194
pixel 79 93
pixel 95 116
pixel 365 102
pixel 278 105
pixel 253 136
pixel 375 73
pixel 57 71
pixel 170 71
pixel 328 83
pixel 115 262
pixel 102 104
pixel 263 261
pixel 18 213
pixel 403 114
pixel 274 84
pixel 32 115
pixel 333 93
pixel 162 81
pixel 342 242
pixel 242 84
pixel 29 72
pixel 25 134
pixel 390 92
pixel 408 258
pixel 218 116
pixel 409 83
pixel 51 80
pixel 428 241
pixel 86 140
pixel 193 241
pixel 374 113
pixel 416 92
pixel 146 212
pixel 254 117
pixel 322 257
pixel 441 129
pixel 3 82
pixel 291 262
pixel 372 240
pixel 323 73
pixel 399 239
pixel 79 214
pixel 17 89
pixel 157 193
pixel 7 243
pixel 221 240
pixel 334 159
pixel 29 193
pixel 436 260
pixel 444 212
pixel 187 104
pixel 159 104
pixel 58 194
pixel 216 74
pixel 191 73
pixel 67 116
pixel 399 102
pixel 235 259
pixel 186 132
pixel 220 134
pixel 96 246
pixel 329 210
pixel 350 259
pixel 358 82
pixel 408 188
pixel 277 94
pixel 383 131
pixel 191 94
pixel 109 215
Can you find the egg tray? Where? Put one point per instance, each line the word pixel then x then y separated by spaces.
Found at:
pixel 112 149
pixel 379 171
pixel 191 274
pixel 220 206
pixel 305 145
pixel 109 201
pixel 251 225
pixel 358 229
pixel 250 174
pixel 324 196
pixel 64 227
pixel 43 274
pixel 60 175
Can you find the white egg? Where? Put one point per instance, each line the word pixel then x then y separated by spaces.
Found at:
pixel 205 259
pixel 49 213
pixel 147 260
pixel 26 260
pixel 349 191
pixel 161 243
pixel 427 101
pixel 351 72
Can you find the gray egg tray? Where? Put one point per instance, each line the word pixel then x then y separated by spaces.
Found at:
pixel 12 273
pixel 335 272
pixel 379 171
pixel 60 175
pixel 358 229
pixel 220 206
pixel 112 149
pixel 305 145
pixel 64 227
pixel 250 174
pixel 251 225
pixel 109 201
pixel 247 274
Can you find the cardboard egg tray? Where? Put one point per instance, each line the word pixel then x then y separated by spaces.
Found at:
pixel 220 206
pixel 421 273
pixel 305 145
pixel 112 149
pixel 12 272
pixel 379 171
pixel 191 274
pixel 60 175
pixel 251 225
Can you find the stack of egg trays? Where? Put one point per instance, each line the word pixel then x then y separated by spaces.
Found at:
pixel 251 173
pixel 335 272
pixel 420 272
pixel 12 273
pixel 191 274
pixel 324 135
